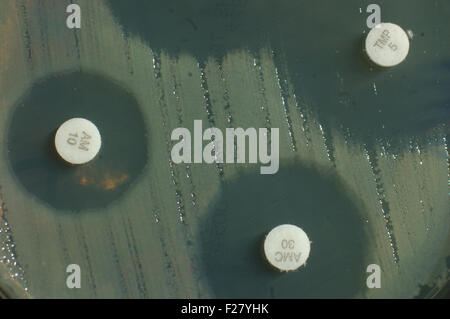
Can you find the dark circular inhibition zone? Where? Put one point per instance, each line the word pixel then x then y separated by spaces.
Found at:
pixel 32 154
pixel 233 232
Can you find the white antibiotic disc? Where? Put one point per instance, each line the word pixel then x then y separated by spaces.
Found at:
pixel 387 44
pixel 287 247
pixel 78 141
